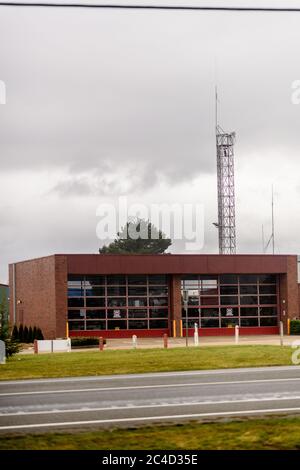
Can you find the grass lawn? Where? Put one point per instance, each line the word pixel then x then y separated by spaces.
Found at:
pixel 274 433
pixel 143 360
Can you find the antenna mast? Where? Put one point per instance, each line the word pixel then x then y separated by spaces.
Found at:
pixel 226 191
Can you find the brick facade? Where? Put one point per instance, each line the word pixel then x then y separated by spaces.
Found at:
pixel 41 285
pixel 41 294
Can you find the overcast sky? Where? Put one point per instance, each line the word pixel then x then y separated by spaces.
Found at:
pixel 108 103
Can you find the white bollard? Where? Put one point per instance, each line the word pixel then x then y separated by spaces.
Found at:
pixel 281 332
pixel 237 334
pixel 196 335
pixel 134 341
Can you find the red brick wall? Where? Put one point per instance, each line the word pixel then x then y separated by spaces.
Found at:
pixel 175 302
pixel 42 298
pixel 61 293
pixel 289 292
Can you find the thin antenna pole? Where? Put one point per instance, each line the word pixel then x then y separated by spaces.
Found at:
pixel 216 109
pixel 273 230
pixel 263 238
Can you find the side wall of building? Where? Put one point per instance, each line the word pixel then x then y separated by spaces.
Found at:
pixel 289 293
pixel 40 300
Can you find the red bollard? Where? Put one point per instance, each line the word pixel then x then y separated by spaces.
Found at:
pixel 165 340
pixel 35 346
pixel 101 343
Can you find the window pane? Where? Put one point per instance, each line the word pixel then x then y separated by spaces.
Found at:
pixel 249 300
pixel 116 324
pixel 116 313
pixel 229 290
pixel 209 312
pixel 229 300
pixel 268 311
pixel 137 313
pixel 248 290
pixel 248 279
pixel 268 321
pixel 157 279
pixel 137 302
pixel 75 292
pixel 249 312
pixel 210 323
pixel 95 325
pixel 137 279
pixel 76 314
pixel 75 302
pixel 116 279
pixel 95 314
pixel 116 291
pixel 209 289
pixel 158 324
pixel 137 290
pixel 209 300
pixel 229 322
pixel 95 302
pixel 75 280
pixel 228 279
pixel 267 278
pixel 193 300
pixel 95 291
pixel 161 290
pixel 229 312
pixel 192 312
pixel 191 324
pixel 91 280
pixel 158 312
pixel 138 324
pixel 116 302
pixel 249 321
pixel 268 299
pixel 76 325
pixel 265 289
pixel 158 301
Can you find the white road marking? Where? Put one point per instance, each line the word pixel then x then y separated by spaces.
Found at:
pixel 291 368
pixel 148 418
pixel 136 387
pixel 159 405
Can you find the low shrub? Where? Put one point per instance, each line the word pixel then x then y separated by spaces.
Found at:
pixel 82 342
pixel 295 327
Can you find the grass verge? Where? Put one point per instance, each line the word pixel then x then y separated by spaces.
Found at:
pixel 259 434
pixel 143 360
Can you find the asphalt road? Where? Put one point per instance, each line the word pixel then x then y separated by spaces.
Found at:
pixel 130 400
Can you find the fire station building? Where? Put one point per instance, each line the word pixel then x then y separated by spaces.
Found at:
pixel 121 295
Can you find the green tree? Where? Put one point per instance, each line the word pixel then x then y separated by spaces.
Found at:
pixel 25 334
pixel 39 334
pixel 34 333
pixel 15 332
pixel 30 335
pixel 11 345
pixel 138 236
pixel 21 333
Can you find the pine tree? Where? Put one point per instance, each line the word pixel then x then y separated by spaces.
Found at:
pixel 25 334
pixel 15 333
pixel 34 333
pixel 11 345
pixel 30 335
pixel 21 333
pixel 39 334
